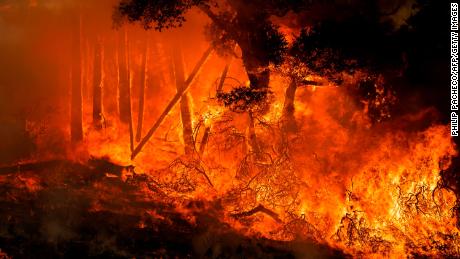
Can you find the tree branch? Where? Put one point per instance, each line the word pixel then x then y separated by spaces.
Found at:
pixel 257 209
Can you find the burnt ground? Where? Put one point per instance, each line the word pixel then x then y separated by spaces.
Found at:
pixel 62 209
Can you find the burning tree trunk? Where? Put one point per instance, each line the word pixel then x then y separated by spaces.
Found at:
pixel 124 94
pixel 288 119
pixel 97 86
pixel 143 72
pixel 76 127
pixel 187 131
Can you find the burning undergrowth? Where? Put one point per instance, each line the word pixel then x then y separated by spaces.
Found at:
pixel 348 182
pixel 336 179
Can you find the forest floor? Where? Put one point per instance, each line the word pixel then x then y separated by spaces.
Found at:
pixel 63 209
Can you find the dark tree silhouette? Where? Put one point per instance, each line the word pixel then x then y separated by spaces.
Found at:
pixel 142 86
pixel 76 124
pixel 97 86
pixel 336 38
pixel 337 35
pixel 124 92
pixel 246 23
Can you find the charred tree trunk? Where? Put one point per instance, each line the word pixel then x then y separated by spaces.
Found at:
pixel 288 119
pixel 130 120
pixel 204 140
pixel 249 31
pixel 76 127
pixel 143 72
pixel 124 93
pixel 259 78
pixel 252 39
pixel 97 86
pixel 258 71
pixel 186 117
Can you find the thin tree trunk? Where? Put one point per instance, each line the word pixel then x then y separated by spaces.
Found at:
pixel 84 68
pixel 171 103
pixel 256 67
pixel 76 127
pixel 124 98
pixel 97 86
pixel 288 119
pixel 187 131
pixel 143 72
pixel 259 78
pixel 124 89
pixel 130 82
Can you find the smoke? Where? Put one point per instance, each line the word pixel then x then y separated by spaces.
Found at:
pixel 35 68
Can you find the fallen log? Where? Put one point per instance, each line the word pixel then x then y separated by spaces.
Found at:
pixel 171 104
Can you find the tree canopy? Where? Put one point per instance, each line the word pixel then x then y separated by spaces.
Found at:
pixel 334 37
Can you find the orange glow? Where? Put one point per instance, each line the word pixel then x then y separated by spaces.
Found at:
pixel 362 189
pixel 368 189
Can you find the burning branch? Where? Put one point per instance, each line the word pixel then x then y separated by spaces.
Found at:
pixel 259 208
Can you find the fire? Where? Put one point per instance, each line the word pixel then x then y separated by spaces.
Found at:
pixel 340 181
pixel 325 170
